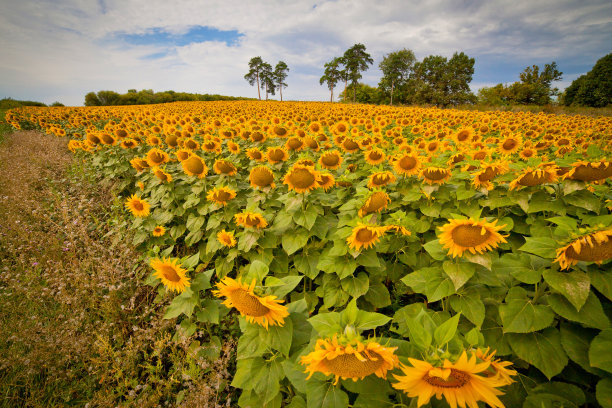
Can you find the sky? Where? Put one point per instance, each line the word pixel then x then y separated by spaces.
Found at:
pixel 59 50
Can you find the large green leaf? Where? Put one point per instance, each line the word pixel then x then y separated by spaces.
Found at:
pixel 470 305
pixel 555 394
pixel 326 324
pixel 576 341
pixel 591 314
pixel 541 349
pixel 540 246
pixel 522 316
pixel 184 303
pixel 432 282
pixel 459 273
pixel 519 266
pixel 446 331
pixel 294 240
pixel 436 250
pixel 279 337
pixel 575 286
pixel 602 281
pixel 378 295
pixel 356 286
pixel 325 395
pixel 306 263
pixel 604 392
pixel 599 351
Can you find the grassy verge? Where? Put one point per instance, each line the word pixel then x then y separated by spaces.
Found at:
pixel 77 326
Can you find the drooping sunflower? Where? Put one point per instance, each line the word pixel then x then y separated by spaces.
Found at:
pixel 265 311
pixel 365 236
pixel 376 202
pixel 221 195
pixel 255 154
pixel 156 157
pixel 302 178
pixel 138 206
pixel 398 229
pixel 527 153
pixel 463 135
pixel 226 238
pixel 487 173
pixel 331 160
pixel 171 273
pixel 276 155
pixel 349 145
pixel 470 235
pixel 234 148
pixel 510 145
pixel 137 164
pixel 354 359
pixel 223 166
pixel 590 171
pixel 195 166
pixel 374 156
pixel 294 144
pixel 159 231
pixel 183 154
pixel 534 177
pixel 593 247
pixel 261 177
pixel 327 181
pixel 250 220
pixel 381 178
pixel 435 175
pixel 162 175
pixel 128 143
pixel 498 367
pixel 407 164
pixel 458 382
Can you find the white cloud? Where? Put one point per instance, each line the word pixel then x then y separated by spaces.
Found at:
pixel 64 49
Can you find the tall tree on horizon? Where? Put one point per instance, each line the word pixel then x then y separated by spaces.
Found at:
pixel 332 75
pixel 254 74
pixel 279 75
pixel 267 79
pixel 396 68
pixel 356 60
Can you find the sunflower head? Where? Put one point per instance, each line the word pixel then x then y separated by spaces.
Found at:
pixel 594 246
pixel 156 157
pixel 530 177
pixel 195 166
pixel 226 167
pixel 226 238
pixel 294 144
pixel 375 203
pixel 327 181
pixel 261 177
pixel 276 155
pixel 221 195
pixel 435 175
pixel 138 206
pixel 470 235
pixel 380 179
pixel 172 275
pixel 263 310
pixel 161 174
pixel 407 164
pixel 374 156
pixel 183 154
pixel 302 178
pixel 255 154
pixel 365 236
pixel 159 231
pixel 590 171
pixel 250 220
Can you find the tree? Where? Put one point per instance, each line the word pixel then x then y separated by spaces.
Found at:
pixel 535 86
pixel 267 79
pixel 332 75
pixel 253 76
pixel 594 88
pixel 396 68
pixel 91 99
pixel 108 98
pixel 364 94
pixel 356 60
pixel 279 75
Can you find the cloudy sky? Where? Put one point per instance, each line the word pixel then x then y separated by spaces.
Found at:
pixel 60 50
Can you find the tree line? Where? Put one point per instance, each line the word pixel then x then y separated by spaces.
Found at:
pixel 147 96
pixel 266 78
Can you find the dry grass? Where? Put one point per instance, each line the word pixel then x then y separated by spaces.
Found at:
pixel 77 326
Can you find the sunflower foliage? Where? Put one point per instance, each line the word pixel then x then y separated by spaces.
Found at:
pixel 372 256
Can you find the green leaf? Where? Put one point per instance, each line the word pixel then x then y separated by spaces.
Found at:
pixel 470 305
pixel 583 199
pixel 604 392
pixel 195 222
pixel 202 280
pixel 326 324
pixel 248 372
pixel 419 335
pixel 599 351
pixel 325 395
pixel 591 314
pixel 459 273
pixel 287 284
pixel 368 259
pixel 349 315
pixel 368 400
pixel 446 331
pixel 436 250
pixel 209 312
pixel 297 402
pixel 555 394
pixel 305 218
pixel 602 281
pixel 192 261
pixel 519 266
pixel 293 241
pixel 296 375
pixel 370 320
pixel 432 282
pixel 184 303
pixel 575 286
pixel 344 267
pixel 257 270
pixel 522 316
pixel 541 349
pixel 540 246
pixel 378 295
pixel 306 263
pixel 576 341
pixel 279 337
pixel 268 386
pixel 356 286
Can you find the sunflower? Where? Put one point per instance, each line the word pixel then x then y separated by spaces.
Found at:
pixel 470 235
pixel 340 128
pixel 462 135
pixel 527 153
pixel 255 154
pixel 171 273
pixel 276 155
pixel 590 171
pixel 376 202
pixel 195 166
pixel 159 231
pixel 191 144
pixel 458 382
pixel 374 156
pixel 435 175
pixel 265 311
pixel 510 145
pixel 593 247
pixel 353 359
pixel 183 154
pixel 455 159
pixel 221 195
pixel 488 172
pixel 137 164
pixel 226 238
pixel 327 181
pixel 261 177
pixel 407 164
pixel 250 220
pixel 302 178
pixel 349 145
pixel 398 229
pixel 107 139
pixel 381 178
pixel 138 206
pixel 234 148
pixel 294 144
pixel 331 160
pixel 128 143
pixel 224 167
pixel 498 368
pixel 365 236
pixel 536 177
pixel 162 175
pixel 156 157
pixel 211 145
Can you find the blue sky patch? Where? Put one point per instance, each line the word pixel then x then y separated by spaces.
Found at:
pixel 196 34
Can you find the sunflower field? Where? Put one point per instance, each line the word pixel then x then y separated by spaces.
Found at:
pixel 371 256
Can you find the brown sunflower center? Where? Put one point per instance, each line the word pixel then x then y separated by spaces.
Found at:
pixel 276 154
pixel 191 144
pixel 156 157
pixel 222 196
pixel 137 205
pixel 380 179
pixel 597 252
pixel 375 156
pixel 161 175
pixel 588 172
pixel 349 366
pixel 463 135
pixel 247 304
pixel 330 159
pixel 108 139
pixel 256 137
pixel 294 143
pixel 532 179
pixel 527 153
pixel 435 174
pixel 488 174
pixel 350 145
pixel 364 235
pixel 509 144
pixel 121 133
pixel 170 273
pixel 252 221
pixel 456 379
pixel 194 165
pixel 302 178
pixel 469 235
pixel 376 202
pixel 225 167
pixel 407 163
pixel 183 155
pixel 280 131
